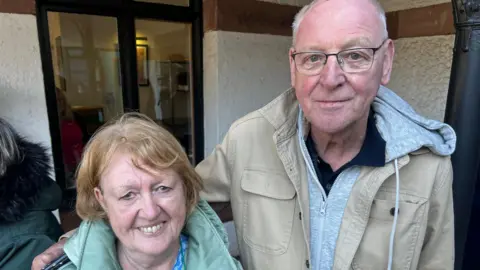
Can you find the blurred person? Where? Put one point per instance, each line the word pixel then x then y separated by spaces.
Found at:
pixel 27 196
pixel 71 136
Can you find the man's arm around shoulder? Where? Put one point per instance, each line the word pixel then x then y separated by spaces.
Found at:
pixel 215 172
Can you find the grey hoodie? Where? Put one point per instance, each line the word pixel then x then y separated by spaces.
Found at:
pixel 404 131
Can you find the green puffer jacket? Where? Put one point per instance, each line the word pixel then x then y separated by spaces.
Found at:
pixel 93 247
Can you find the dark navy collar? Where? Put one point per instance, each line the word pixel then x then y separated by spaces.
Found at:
pixel 371 154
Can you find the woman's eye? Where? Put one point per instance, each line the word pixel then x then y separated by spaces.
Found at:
pixel 162 189
pixel 128 196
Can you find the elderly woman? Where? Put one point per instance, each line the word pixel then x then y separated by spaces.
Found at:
pixel 138 197
pixel 27 198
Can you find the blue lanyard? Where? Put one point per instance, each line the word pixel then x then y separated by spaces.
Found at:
pixel 180 262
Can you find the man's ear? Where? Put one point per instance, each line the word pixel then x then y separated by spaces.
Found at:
pixel 388 62
pixel 293 69
pixel 100 198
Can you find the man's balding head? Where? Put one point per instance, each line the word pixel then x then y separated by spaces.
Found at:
pixel 340 56
pixel 380 12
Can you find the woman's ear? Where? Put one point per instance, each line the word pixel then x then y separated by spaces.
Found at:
pixel 100 198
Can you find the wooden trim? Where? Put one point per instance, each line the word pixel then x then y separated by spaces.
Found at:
pixel 251 16
pixel 421 22
pixel 17 6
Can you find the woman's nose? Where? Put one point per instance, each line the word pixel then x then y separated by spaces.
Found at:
pixel 150 208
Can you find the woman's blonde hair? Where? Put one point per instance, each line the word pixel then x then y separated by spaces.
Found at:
pixel 151 147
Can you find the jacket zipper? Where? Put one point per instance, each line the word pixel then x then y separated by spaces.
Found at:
pixel 323 209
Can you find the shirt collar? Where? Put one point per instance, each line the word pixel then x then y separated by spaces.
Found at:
pixel 372 152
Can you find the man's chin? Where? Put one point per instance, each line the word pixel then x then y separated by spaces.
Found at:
pixel 331 125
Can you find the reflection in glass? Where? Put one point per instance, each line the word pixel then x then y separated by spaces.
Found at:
pixel 87 79
pixel 164 71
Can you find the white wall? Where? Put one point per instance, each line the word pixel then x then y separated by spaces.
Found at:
pixel 22 94
pixel 242 73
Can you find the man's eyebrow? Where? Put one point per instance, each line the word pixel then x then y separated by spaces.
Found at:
pixel 360 42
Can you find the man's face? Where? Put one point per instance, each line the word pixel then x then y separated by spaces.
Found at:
pixel 333 100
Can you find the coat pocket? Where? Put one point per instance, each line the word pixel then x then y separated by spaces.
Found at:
pixel 374 248
pixel 269 208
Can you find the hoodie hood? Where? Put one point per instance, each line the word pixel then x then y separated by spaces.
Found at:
pixel 27 185
pixel 405 131
pixel 93 246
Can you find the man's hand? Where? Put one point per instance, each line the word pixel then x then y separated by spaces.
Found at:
pixel 48 255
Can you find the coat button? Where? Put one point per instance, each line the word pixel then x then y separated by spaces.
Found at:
pixel 307 264
pixel 300 215
pixel 392 211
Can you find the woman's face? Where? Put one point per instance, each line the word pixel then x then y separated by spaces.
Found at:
pixel 146 211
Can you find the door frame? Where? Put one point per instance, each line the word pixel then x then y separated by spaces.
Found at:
pixel 125 12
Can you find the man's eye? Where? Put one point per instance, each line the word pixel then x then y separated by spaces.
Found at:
pixel 314 58
pixel 128 196
pixel 355 56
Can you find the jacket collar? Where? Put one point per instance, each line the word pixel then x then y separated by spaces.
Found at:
pixel 282 114
pixel 94 243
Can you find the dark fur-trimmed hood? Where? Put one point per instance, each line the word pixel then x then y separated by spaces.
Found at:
pixel 27 184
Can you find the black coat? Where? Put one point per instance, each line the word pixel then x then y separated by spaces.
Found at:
pixel 27 198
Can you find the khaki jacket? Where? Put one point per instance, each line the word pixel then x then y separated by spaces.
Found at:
pixel 259 168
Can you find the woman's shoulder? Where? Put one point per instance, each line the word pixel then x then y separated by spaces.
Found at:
pixel 208 238
pixel 92 244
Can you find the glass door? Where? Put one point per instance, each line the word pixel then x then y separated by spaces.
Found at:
pixel 164 76
pixel 102 58
pixel 88 88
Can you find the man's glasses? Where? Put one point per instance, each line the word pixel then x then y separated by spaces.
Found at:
pixel 350 61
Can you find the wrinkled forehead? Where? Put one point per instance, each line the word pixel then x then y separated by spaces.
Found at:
pixel 340 24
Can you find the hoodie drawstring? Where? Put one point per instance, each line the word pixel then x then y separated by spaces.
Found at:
pixel 394 226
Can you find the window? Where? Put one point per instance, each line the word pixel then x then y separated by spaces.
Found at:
pixel 103 58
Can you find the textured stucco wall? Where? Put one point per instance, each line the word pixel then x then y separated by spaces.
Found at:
pixel 242 73
pixel 22 95
pixel 422 65
pixel 421 73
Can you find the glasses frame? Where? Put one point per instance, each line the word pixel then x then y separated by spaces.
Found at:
pixel 340 63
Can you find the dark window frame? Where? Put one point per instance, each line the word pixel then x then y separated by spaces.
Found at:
pixel 125 11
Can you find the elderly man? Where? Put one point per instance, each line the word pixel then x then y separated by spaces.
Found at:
pixel 337 172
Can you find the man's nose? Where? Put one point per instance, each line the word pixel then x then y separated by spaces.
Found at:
pixel 332 74
pixel 150 207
